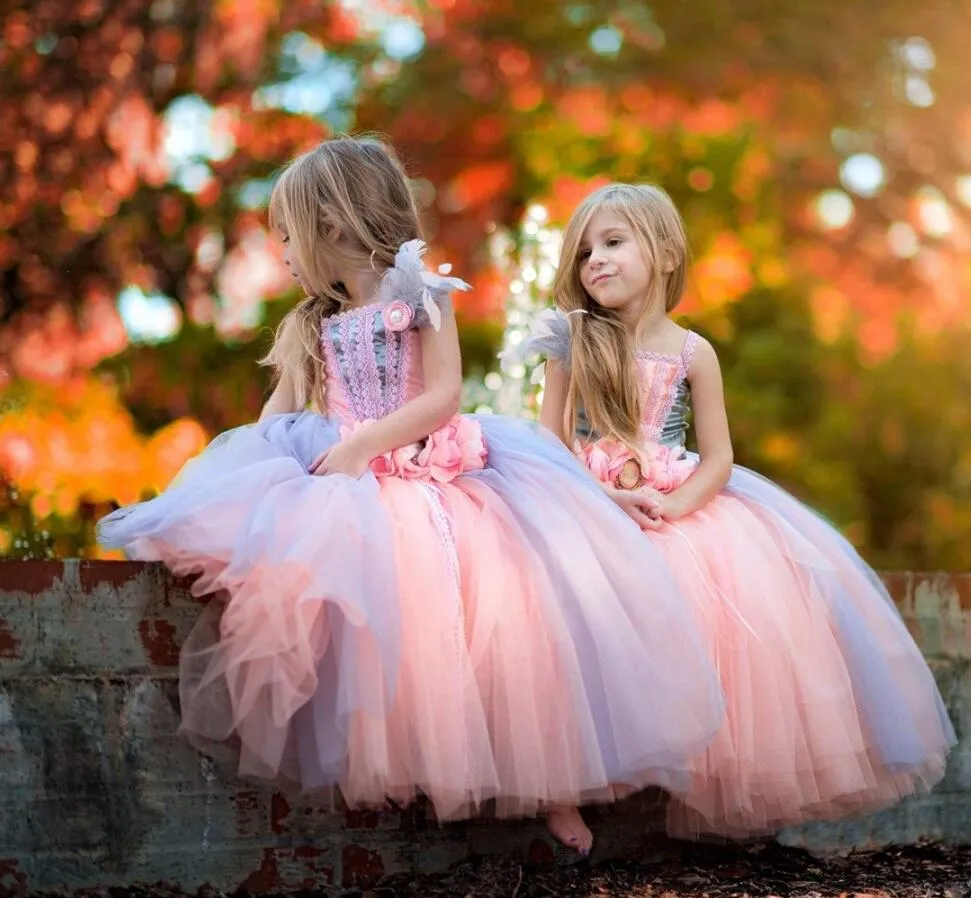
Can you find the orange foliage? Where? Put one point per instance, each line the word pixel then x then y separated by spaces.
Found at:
pixel 830 312
pixel 567 193
pixel 723 274
pixel 877 338
pixel 77 443
pixel 588 109
pixel 712 118
pixel 480 183
pixel 486 298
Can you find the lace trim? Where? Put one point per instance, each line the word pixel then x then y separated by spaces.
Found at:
pixel 366 364
pixel 355 360
pixel 393 373
pixel 344 354
pixel 681 359
pixel 447 539
pixel 688 352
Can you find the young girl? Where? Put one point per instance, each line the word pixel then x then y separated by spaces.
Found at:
pixel 415 601
pixel 830 706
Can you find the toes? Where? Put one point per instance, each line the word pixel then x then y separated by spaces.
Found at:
pixel 568 828
pixel 561 828
pixel 586 844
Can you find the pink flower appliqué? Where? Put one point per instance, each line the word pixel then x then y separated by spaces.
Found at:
pixel 612 462
pixel 665 467
pixel 454 449
pixel 397 316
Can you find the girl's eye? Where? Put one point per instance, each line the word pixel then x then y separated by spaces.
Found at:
pixel 584 254
pixel 614 241
pixel 286 240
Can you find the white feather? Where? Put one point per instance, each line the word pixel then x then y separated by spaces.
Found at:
pixel 409 281
pixel 431 309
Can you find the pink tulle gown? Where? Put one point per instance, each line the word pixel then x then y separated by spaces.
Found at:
pixel 468 620
pixel 830 707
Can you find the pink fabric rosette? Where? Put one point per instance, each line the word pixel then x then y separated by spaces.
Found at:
pixel 615 463
pixel 397 316
pixel 453 449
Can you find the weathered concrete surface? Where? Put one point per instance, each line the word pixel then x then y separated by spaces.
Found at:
pixel 95 789
pixel 937 609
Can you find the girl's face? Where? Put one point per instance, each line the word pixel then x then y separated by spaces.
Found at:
pixel 288 257
pixel 613 270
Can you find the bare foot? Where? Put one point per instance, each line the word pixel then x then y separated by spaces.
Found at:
pixel 567 827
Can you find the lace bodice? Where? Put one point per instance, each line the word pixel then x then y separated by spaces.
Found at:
pixel 663 378
pixel 372 353
pixel 371 370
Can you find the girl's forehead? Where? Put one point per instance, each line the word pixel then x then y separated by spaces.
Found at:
pixel 602 222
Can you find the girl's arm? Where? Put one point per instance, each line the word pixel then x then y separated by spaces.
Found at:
pixel 416 419
pixel 552 413
pixel 283 399
pixel 714 439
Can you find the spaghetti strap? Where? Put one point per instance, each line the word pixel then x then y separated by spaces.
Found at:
pixel 688 350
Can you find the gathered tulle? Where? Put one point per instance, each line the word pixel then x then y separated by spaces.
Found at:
pixel 830 707
pixel 480 636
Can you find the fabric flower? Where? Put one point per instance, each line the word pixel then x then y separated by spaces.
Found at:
pixel 405 464
pixel 454 449
pixel 471 444
pixel 611 462
pixel 397 316
pixel 664 468
pixel 420 290
pixel 442 456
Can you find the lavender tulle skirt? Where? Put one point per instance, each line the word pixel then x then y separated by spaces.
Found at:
pixel 507 634
pixel 830 707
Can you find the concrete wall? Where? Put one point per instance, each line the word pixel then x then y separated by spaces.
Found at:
pixel 96 790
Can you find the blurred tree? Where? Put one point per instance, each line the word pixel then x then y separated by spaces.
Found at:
pixel 819 153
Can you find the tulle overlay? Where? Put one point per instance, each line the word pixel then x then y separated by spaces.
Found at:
pixel 495 630
pixel 830 707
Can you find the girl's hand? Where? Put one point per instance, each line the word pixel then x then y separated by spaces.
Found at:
pixel 662 506
pixel 350 457
pixel 635 507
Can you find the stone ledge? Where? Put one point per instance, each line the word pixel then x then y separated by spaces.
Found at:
pixel 96 790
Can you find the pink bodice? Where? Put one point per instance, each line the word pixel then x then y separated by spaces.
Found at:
pixel 665 394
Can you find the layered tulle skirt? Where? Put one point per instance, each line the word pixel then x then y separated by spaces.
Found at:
pixel 830 706
pixel 500 633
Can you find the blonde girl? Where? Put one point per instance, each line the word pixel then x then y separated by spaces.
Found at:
pixel 414 601
pixel 830 707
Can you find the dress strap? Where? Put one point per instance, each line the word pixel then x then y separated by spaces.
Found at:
pixel 688 351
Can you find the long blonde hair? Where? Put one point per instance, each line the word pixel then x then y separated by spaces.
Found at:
pixel 351 186
pixel 603 375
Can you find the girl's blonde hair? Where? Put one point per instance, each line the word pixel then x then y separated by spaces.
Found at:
pixel 603 375
pixel 345 205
